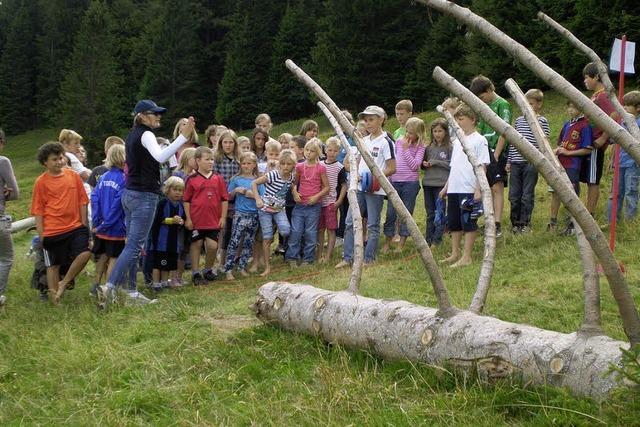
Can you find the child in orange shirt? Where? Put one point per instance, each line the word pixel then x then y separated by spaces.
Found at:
pixel 59 204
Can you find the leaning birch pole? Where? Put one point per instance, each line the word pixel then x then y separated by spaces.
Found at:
pixel 439 287
pixel 597 241
pixel 591 280
pixel 542 70
pixel 486 270
pixel 629 120
pixel 358 250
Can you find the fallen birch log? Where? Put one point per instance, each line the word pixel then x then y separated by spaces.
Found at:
pixel 23 224
pixel 492 348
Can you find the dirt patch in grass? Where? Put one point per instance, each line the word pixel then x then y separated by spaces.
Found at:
pixel 232 323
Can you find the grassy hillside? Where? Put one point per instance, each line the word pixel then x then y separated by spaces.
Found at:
pixel 198 357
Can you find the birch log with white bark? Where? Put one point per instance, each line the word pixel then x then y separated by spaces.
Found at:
pixel 590 278
pixel 486 270
pixel 494 349
pixel 597 240
pixel 358 232
pixel 542 70
pixel 629 120
pixel 439 287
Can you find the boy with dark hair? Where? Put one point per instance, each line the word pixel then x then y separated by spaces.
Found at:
pixel 484 89
pixel 574 145
pixel 592 169
pixel 59 204
pixel 522 174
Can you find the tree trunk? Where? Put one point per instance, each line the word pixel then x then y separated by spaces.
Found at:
pixel 555 179
pixel 358 232
pixel 486 270
pixel 542 70
pixel 439 288
pixel 491 348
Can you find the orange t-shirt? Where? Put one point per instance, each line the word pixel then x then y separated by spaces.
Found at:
pixel 58 199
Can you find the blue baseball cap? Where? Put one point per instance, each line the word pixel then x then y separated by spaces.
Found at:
pixel 148 105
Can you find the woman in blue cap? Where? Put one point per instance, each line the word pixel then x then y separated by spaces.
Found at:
pixel 142 189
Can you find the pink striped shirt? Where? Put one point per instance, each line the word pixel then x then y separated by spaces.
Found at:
pixel 407 162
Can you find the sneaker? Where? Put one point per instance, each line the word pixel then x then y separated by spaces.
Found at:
pixel 137 298
pixel 3 300
pixel 516 229
pixel 342 264
pixel 305 264
pixel 176 283
pixel 293 264
pixel 498 231
pixel 552 226
pixel 210 275
pixel 44 297
pixel 526 229
pixel 198 280
pixel 106 296
pixel 93 291
pixel 568 230
pixel 157 287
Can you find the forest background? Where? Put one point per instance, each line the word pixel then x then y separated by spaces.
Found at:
pixel 82 64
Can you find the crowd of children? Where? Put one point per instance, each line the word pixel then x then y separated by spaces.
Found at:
pixel 232 196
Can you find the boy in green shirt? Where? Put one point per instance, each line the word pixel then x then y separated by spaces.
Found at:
pixel 404 111
pixel 484 89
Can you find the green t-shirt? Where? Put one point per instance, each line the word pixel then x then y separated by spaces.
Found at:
pixel 502 108
pixel 399 133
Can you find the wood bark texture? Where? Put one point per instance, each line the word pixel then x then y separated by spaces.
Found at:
pixel 486 270
pixel 439 287
pixel 629 120
pixel 555 179
pixel 542 70
pixel 493 349
pixel 358 232
pixel 591 278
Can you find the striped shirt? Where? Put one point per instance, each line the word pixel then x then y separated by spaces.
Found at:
pixel 276 189
pixel 523 128
pixel 333 175
pixel 408 162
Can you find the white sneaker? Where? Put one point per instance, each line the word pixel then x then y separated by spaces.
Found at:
pixel 139 299
pixel 106 296
pixel 3 300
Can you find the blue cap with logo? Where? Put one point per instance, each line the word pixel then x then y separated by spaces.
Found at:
pixel 147 105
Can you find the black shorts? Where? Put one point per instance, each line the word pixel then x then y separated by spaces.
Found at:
pixel 164 261
pixel 202 234
pixel 497 170
pixel 63 248
pixel 111 248
pixel 592 167
pixel 457 219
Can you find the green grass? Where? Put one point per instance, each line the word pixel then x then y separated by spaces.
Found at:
pixel 198 357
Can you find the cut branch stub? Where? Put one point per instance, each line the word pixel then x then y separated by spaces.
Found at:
pixel 440 290
pixel 542 70
pixel 554 178
pixel 486 270
pixel 358 231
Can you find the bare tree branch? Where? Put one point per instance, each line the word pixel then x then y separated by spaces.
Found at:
pixel 358 251
pixel 591 279
pixel 439 288
pixel 486 270
pixel 542 70
pixel 554 178
pixel 629 120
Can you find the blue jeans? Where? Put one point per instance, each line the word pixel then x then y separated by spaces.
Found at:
pixel 408 191
pixel 6 252
pixel 627 193
pixel 266 223
pixel 372 205
pixel 434 233
pixel 522 188
pixel 139 211
pixel 304 222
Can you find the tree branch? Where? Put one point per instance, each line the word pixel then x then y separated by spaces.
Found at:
pixel 358 251
pixel 486 270
pixel 629 120
pixel 542 70
pixel 439 288
pixel 554 178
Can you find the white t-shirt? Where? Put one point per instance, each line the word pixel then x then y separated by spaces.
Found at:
pixel 462 179
pixel 381 148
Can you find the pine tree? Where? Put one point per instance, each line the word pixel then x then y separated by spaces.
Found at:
pixel 286 97
pixel 241 94
pixel 91 98
pixel 17 73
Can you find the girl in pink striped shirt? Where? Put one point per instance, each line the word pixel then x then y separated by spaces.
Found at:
pixel 409 154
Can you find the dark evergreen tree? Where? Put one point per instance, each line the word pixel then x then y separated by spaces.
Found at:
pixel 91 97
pixel 286 97
pixel 241 94
pixel 17 72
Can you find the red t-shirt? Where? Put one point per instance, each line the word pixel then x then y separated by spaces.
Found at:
pixel 57 199
pixel 205 197
pixel 309 179
pixel 601 99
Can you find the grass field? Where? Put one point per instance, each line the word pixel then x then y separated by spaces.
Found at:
pixel 199 357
